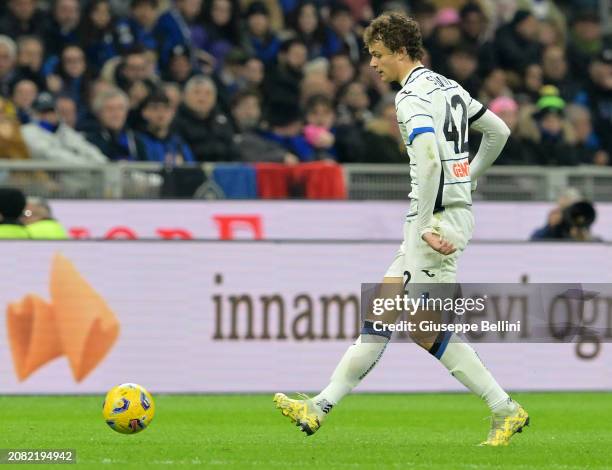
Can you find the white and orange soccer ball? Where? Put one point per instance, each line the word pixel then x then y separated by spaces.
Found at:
pixel 128 408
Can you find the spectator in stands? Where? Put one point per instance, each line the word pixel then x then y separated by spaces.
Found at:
pixel 532 80
pixel 179 26
pixel 585 43
pixel 222 23
pixel 229 77
pixel 556 72
pixel 353 105
pixel 382 142
pixel 12 145
pixel 343 26
pixel 180 66
pixel 547 133
pixel 516 42
pixel 253 74
pixel 30 56
pixel 71 77
pixel 23 18
pixel 598 97
pixel 63 29
pixel 49 139
pixel 473 23
pixel 113 137
pixel 341 70
pixel 446 36
pixel 319 129
pixel 23 95
pixel 493 86
pixel 285 123
pixel 312 31
pixel 8 55
pixel 12 203
pixel 206 130
pixel 424 13
pixel 160 143
pixel 39 222
pixel 67 110
pixel 261 40
pixel 515 152
pixel 174 94
pixel 282 81
pixel 99 35
pixel 370 79
pixel 246 117
pixel 316 82
pixel 141 23
pixel 588 143
pixel 462 67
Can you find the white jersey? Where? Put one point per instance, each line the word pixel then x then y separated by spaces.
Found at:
pixel 430 102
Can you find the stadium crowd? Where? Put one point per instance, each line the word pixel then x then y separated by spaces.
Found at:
pixel 288 81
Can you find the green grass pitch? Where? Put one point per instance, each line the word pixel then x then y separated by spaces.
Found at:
pixel 416 431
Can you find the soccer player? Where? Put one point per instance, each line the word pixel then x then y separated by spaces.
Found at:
pixel 434 115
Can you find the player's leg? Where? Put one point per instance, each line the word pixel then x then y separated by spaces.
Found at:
pixel 359 359
pixel 453 353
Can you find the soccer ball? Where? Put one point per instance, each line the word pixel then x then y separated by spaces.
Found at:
pixel 128 408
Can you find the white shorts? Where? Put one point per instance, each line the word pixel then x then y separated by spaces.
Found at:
pixel 420 261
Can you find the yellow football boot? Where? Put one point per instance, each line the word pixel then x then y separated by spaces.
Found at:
pixel 504 427
pixel 301 412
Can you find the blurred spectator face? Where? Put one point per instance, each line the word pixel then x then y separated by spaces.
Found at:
pixel 258 24
pixel 247 112
pixel 548 34
pixel 580 118
pixel 30 54
pixel 321 115
pixel 221 12
pixel 136 67
pixel 463 64
pixel 554 64
pixel 601 74
pixel 307 19
pixel 7 61
pixel 587 30
pixel 316 84
pixel 101 14
pixel 145 14
pixel 533 77
pixel 73 60
pixel 509 115
pixel 113 113
pixel 173 92
pixel 342 23
pixel 201 98
pixel 48 116
pixel 158 116
pixel 180 68
pixel 427 23
pixel 449 35
pixel 552 123
pixel 495 83
pixel 389 114
pixel 473 24
pixel 253 71
pixel 67 111
pixel 296 56
pixel 24 94
pixel 189 8
pixel 22 9
pixel 342 70
pixel 528 28
pixel 356 97
pixel 67 13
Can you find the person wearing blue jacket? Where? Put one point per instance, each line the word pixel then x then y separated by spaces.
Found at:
pixel 160 143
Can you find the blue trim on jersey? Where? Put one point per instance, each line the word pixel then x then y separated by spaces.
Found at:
pixel 419 130
pixel 443 344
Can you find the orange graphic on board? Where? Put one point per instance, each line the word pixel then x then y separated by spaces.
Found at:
pixel 77 323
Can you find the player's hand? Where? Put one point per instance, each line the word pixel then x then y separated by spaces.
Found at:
pixel 438 244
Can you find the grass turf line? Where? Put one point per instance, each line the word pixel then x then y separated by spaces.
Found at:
pixel 423 431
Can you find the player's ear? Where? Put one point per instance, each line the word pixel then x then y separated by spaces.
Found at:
pixel 403 52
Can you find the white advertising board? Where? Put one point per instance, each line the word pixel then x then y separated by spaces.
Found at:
pixel 170 306
pixel 296 220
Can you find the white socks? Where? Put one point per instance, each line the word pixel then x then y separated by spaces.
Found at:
pixel 358 360
pixel 465 365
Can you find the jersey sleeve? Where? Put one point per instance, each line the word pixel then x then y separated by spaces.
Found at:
pixel 475 110
pixel 415 114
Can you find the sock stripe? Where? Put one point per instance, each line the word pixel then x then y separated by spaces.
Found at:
pixel 440 344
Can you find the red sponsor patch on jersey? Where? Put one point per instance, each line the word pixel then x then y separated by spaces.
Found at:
pixel 461 170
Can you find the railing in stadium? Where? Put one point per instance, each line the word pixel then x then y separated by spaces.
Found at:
pixel 128 180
